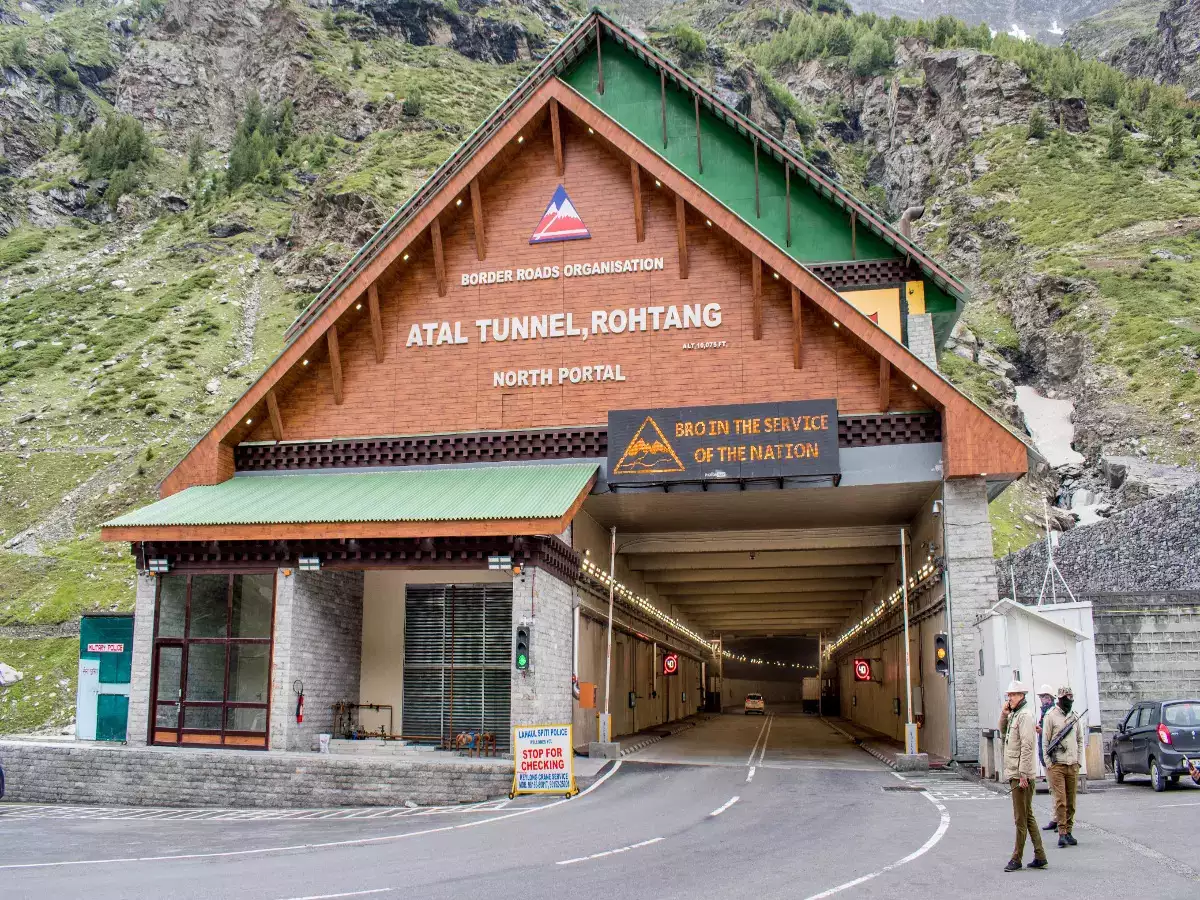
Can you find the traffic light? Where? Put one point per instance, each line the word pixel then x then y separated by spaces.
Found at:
pixel 941 654
pixel 521 655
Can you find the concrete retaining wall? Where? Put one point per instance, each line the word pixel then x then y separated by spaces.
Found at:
pixel 150 776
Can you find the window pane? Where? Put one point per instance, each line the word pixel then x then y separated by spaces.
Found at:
pixel 253 599
pixel 166 716
pixel 1146 717
pixel 1183 715
pixel 240 719
pixel 206 673
pixel 170 666
pixel 207 717
pixel 210 606
pixel 249 671
pixel 172 599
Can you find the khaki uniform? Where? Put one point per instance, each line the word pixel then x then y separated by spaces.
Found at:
pixel 1020 758
pixel 1062 771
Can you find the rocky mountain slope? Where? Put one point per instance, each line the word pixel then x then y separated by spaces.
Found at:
pixel 1042 20
pixel 178 179
pixel 1155 39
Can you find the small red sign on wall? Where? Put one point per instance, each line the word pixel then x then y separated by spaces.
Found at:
pixel 862 670
pixel 105 648
pixel 670 663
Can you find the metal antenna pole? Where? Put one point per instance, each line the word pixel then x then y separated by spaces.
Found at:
pixel 606 722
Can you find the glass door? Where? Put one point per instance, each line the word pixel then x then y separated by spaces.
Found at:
pixel 213 659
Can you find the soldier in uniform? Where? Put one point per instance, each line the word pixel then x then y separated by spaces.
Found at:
pixel 1062 763
pixel 1020 771
pixel 1046 699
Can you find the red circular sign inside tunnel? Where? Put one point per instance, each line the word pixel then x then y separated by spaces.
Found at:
pixel 862 670
pixel 670 663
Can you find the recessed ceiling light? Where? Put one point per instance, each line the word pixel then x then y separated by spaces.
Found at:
pixel 590 131
pixel 248 421
pixel 358 306
pixel 458 202
pixel 775 275
pixel 306 362
pixel 521 139
pixel 708 222
pixel 657 183
pixel 837 324
pixel 406 257
pixel 914 387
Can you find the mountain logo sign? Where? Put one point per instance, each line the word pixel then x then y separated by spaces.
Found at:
pixel 560 221
pixel 649 453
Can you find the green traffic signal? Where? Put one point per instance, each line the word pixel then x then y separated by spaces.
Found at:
pixel 522 660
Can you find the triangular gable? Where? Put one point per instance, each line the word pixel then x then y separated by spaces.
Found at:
pixel 976 444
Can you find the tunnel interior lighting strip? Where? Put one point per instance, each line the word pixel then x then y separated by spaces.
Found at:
pixel 918 582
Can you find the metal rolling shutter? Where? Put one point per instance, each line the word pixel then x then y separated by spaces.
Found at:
pixel 457 641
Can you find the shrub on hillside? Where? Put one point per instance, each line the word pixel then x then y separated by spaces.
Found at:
pixel 57 67
pixel 118 149
pixel 262 137
pixel 688 41
pixel 1037 124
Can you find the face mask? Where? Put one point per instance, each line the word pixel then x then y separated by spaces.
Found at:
pixel 1065 703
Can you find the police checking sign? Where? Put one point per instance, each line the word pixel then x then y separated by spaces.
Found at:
pixel 543 760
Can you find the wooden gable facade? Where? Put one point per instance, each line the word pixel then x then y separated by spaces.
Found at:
pixel 770 329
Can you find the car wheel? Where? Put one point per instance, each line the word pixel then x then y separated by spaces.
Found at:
pixel 1157 780
pixel 1118 772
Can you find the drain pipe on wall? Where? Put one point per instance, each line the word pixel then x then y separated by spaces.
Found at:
pixel 952 705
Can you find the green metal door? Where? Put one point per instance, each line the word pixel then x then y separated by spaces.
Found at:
pixel 112 717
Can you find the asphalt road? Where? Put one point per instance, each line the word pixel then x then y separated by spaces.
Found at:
pixel 812 818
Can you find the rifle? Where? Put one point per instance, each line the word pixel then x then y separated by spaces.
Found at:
pixel 1049 749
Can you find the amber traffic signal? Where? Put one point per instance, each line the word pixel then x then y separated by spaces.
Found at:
pixel 941 654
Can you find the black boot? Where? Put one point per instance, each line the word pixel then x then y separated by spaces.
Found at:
pixel 1062 840
pixel 1013 865
pixel 1038 864
pixel 1053 826
pixel 1071 842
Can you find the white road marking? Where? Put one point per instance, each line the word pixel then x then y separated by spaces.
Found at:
pixel 1169 805
pixel 750 775
pixel 766 737
pixel 723 807
pixel 603 853
pixel 355 842
pixel 345 894
pixel 943 825
pixel 754 749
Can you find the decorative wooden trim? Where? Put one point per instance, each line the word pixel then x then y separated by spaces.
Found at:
pixel 398 452
pixel 599 64
pixel 430 552
pixel 864 273
pixel 681 235
pixel 662 83
pixel 787 192
pixel 757 203
pixel 477 219
pixel 756 290
pixel 439 261
pixel 335 362
pixel 376 321
pixel 797 330
pixel 274 415
pixel 556 136
pixel 885 384
pixel 639 216
pixel 699 152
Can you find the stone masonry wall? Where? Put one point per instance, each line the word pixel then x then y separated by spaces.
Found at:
pixel 143 652
pixel 920 339
pixel 972 590
pixel 1141 572
pixel 157 776
pixel 318 639
pixel 542 695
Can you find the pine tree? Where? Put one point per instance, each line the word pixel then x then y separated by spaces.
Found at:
pixel 356 61
pixel 1116 140
pixel 1037 124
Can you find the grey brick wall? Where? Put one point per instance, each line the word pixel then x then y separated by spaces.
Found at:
pixel 920 339
pixel 543 694
pixel 143 647
pixel 318 639
pixel 157 776
pixel 972 591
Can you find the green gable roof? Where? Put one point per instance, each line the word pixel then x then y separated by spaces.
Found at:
pixel 820 209
pixel 441 494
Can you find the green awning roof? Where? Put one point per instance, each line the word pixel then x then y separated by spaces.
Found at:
pixel 450 493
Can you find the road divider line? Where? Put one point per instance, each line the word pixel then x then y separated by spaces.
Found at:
pixel 603 853
pixel 766 737
pixel 750 775
pixel 754 749
pixel 943 825
pixel 323 845
pixel 723 807
pixel 345 894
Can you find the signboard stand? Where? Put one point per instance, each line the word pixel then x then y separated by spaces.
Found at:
pixel 543 760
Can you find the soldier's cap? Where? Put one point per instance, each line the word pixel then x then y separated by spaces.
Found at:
pixel 1065 691
pixel 1045 691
